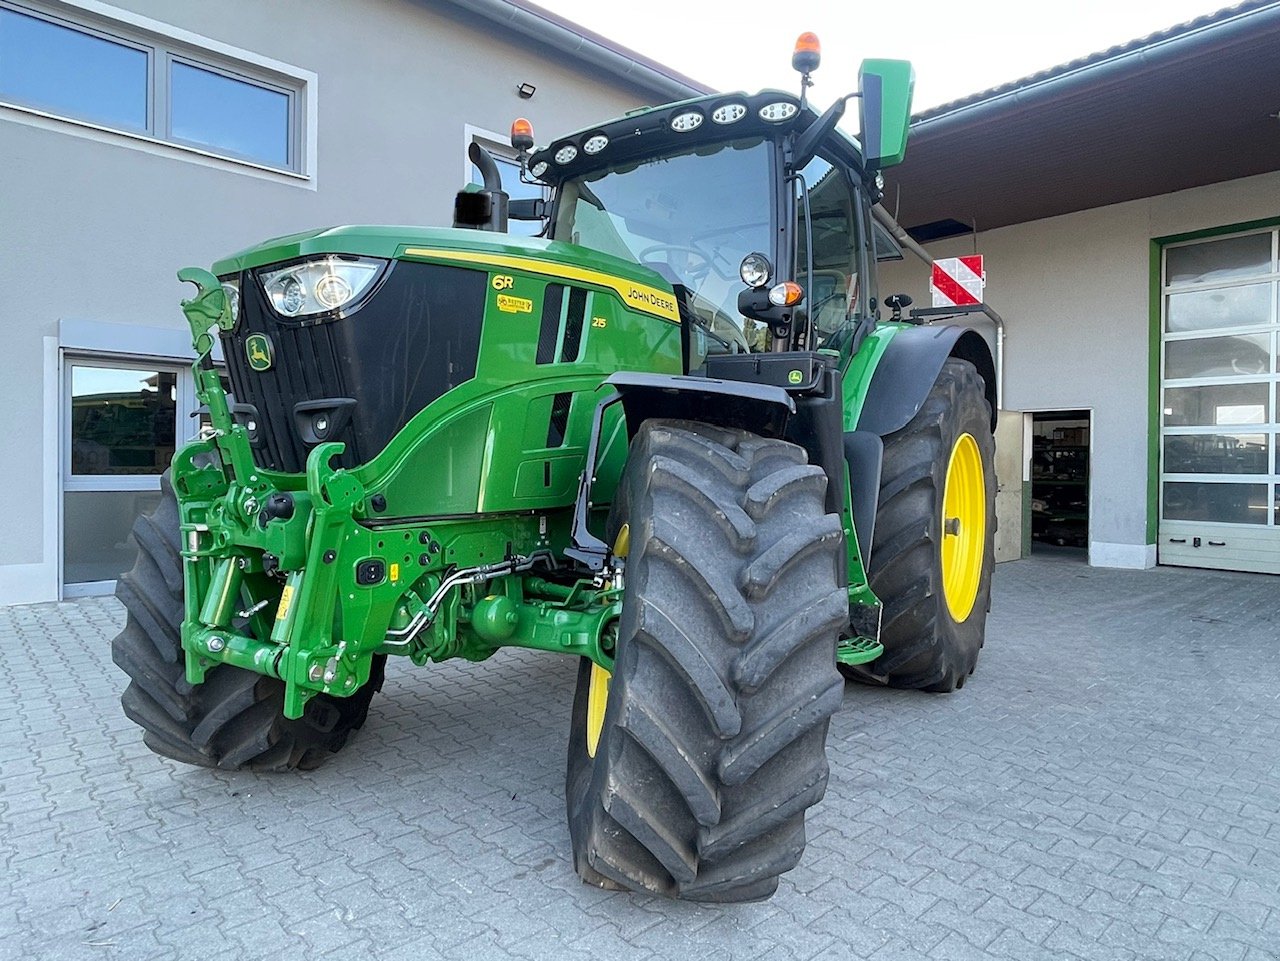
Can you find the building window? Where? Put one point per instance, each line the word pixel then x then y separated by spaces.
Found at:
pixel 123 421
pixel 73 72
pixel 218 111
pixel 127 79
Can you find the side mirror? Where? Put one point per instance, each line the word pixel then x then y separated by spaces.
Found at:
pixel 884 110
pixel 896 303
pixel 535 209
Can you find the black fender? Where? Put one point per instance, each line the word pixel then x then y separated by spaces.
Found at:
pixel 898 389
pixel 910 366
pixel 761 408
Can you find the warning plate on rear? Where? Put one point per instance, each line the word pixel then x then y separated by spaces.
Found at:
pixel 958 281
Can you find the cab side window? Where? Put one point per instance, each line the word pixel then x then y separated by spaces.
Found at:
pixel 837 296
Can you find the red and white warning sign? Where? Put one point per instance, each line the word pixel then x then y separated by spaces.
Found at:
pixel 958 281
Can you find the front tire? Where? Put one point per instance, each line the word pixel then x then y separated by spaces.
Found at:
pixel 234 720
pixel 711 745
pixel 933 549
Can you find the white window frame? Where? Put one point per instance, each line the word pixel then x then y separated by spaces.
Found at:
pixel 184 400
pixel 102 483
pixel 497 144
pixel 166 44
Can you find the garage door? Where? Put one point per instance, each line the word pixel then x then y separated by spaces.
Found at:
pixel 1218 480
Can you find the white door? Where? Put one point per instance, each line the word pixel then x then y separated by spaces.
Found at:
pixel 1218 479
pixel 122 421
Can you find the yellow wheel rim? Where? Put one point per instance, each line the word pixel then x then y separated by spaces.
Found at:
pixel 964 527
pixel 597 701
pixel 598 692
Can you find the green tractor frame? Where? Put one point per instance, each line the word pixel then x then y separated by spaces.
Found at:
pixel 671 437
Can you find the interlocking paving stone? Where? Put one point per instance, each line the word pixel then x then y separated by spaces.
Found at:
pixel 1107 786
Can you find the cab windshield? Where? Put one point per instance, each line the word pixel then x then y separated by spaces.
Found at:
pixel 691 217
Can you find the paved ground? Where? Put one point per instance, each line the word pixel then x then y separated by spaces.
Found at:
pixel 1107 786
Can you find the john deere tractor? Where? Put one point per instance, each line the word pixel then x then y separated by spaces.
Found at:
pixel 673 437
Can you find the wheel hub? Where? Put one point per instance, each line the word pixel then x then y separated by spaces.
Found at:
pixel 964 522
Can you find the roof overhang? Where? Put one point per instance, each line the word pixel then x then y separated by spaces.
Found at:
pixel 1194 105
pixel 565 38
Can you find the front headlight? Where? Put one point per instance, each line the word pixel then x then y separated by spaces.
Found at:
pixel 319 286
pixel 231 287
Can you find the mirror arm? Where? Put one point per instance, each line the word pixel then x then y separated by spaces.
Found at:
pixel 818 131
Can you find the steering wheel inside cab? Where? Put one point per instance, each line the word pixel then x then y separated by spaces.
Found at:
pixel 694 273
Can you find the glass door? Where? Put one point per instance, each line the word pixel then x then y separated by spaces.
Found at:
pixel 121 425
pixel 1219 481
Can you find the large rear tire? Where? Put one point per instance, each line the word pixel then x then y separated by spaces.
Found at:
pixel 933 549
pixel 234 720
pixel 691 777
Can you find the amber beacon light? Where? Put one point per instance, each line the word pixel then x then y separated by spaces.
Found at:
pixel 521 134
pixel 807 54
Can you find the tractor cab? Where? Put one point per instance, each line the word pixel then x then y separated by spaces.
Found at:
pixel 754 208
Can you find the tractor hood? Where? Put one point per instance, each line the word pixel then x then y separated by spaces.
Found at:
pixel 412 327
pixel 473 246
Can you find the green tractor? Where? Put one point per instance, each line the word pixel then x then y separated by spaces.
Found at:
pixel 671 437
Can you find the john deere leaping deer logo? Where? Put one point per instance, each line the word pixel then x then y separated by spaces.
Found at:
pixel 258 349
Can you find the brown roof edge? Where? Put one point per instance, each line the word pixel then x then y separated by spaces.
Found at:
pixel 1093 62
pixel 587 47
pixel 694 85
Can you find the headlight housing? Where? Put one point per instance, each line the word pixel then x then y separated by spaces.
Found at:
pixel 320 286
pixel 231 287
pixel 755 270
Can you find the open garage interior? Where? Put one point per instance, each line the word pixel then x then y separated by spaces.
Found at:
pixel 1060 481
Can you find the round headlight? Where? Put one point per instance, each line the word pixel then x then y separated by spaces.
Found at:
pixel 539 168
pixel 779 111
pixel 287 295
pixel 566 154
pixel 595 144
pixel 755 270
pixel 684 122
pixel 729 112
pixel 332 291
pixel 232 290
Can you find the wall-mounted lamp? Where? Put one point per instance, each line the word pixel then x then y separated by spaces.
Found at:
pixel 526 90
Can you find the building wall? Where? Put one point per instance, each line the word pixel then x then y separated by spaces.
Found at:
pixel 94 229
pixel 1074 294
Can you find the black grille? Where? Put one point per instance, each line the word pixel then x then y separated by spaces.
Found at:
pixel 549 328
pixel 417 337
pixel 573 325
pixel 559 421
